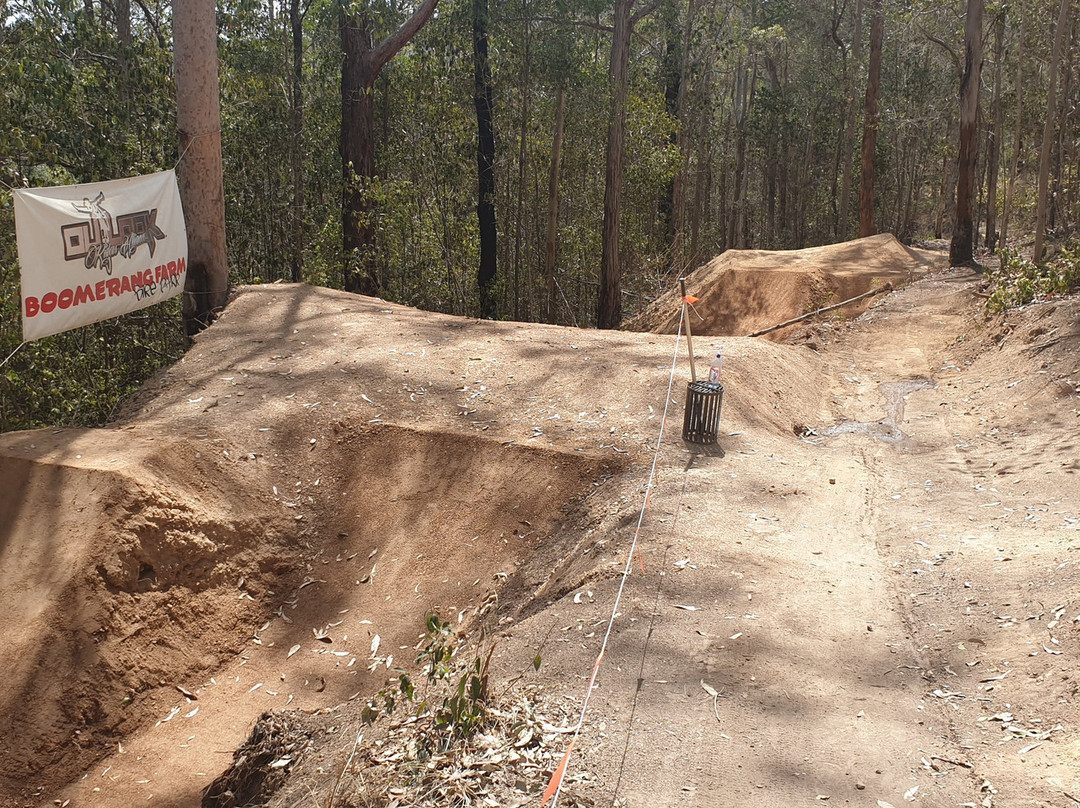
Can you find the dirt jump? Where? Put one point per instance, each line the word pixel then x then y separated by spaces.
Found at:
pixel 865 594
pixel 745 291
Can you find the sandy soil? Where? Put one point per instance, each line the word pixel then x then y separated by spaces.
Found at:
pixel 878 554
pixel 746 291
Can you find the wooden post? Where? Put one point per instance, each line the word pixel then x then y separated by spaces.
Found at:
pixel 689 336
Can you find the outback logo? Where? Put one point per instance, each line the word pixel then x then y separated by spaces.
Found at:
pixel 101 238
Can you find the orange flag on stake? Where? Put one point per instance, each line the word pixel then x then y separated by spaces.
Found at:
pixel 691 299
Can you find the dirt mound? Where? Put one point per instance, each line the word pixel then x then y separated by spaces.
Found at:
pixel 117 577
pixel 743 291
pixel 1020 362
pixel 318 472
pixel 140 575
pixel 817 612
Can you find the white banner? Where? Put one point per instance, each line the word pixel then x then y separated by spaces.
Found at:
pixel 95 251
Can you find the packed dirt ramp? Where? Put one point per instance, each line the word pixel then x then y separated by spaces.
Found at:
pixel 741 292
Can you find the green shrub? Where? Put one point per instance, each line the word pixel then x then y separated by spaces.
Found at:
pixel 1016 280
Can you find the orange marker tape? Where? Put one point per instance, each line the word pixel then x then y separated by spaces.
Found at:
pixel 691 299
pixel 557 776
pixel 596 670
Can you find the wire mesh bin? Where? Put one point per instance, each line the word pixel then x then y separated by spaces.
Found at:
pixel 701 419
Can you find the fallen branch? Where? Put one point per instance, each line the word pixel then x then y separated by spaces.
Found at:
pixel 886 288
pixel 953 762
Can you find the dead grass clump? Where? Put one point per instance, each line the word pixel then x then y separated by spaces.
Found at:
pixel 261 765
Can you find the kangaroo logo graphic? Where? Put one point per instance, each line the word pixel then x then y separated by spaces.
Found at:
pixel 102 237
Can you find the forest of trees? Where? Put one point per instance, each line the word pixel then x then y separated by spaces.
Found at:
pixel 546 160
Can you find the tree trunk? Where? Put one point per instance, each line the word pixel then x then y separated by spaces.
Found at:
pixel 1065 104
pixel 553 202
pixel 682 141
pixel 609 300
pixel 870 123
pixel 702 205
pixel 123 59
pixel 849 124
pixel 485 160
pixel 740 143
pixel 946 216
pixel 702 196
pixel 671 68
pixel 361 64
pixel 745 84
pixel 1017 135
pixel 1048 132
pixel 993 140
pixel 357 157
pixel 963 236
pixel 198 119
pixel 523 149
pixel 296 26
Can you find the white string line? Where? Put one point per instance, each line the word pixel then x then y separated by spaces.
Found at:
pixel 11 354
pixel 629 556
pixel 192 139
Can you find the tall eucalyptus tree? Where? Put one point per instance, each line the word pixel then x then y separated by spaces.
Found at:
pixel 963 237
pixel 362 60
pixel 198 120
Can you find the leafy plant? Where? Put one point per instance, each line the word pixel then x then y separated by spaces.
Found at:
pixel 1016 280
pixel 462 710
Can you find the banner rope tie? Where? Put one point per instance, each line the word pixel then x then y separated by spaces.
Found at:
pixel 554 787
pixel 192 139
pixel 11 354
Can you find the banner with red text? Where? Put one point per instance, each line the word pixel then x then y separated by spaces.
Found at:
pixel 95 251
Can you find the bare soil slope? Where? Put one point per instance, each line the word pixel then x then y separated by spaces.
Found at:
pixel 874 569
pixel 744 291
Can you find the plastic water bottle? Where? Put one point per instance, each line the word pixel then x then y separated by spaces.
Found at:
pixel 715 368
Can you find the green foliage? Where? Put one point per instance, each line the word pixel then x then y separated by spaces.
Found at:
pixel 73 113
pixel 744 113
pixel 461 710
pixel 438 651
pixel 1016 280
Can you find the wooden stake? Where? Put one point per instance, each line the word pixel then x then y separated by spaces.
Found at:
pixel 689 336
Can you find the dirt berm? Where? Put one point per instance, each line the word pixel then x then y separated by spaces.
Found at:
pixel 744 291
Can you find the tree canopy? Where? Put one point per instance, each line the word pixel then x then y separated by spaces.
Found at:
pixel 742 119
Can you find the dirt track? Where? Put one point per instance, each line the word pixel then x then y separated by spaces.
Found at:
pixel 882 576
